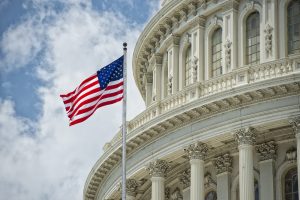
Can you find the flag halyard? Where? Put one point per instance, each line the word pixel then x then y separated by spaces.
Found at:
pixel 102 88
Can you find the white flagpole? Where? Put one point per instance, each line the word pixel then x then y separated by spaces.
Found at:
pixel 124 126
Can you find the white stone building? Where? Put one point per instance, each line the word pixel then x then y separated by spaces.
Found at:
pixel 221 82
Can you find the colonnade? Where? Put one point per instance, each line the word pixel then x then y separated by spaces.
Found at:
pixel 197 152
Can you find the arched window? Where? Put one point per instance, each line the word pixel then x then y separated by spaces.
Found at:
pixel 188 66
pixel 212 195
pixel 291 185
pixel 293 18
pixel 252 38
pixel 217 52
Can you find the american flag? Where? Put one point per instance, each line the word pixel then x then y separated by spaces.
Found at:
pixel 102 88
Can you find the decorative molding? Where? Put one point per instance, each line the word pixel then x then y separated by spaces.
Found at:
pixel 184 14
pixel 267 150
pixel 193 8
pixel 268 39
pixel 170 84
pixel 194 69
pixel 228 53
pixel 158 168
pixel 131 187
pixel 223 163
pixel 249 6
pixel 245 136
pixel 208 180
pixel 291 155
pixel 197 151
pixel 176 195
pixel 167 193
pixel 185 178
pixel 295 122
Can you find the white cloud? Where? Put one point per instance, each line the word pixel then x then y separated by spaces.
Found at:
pixel 48 159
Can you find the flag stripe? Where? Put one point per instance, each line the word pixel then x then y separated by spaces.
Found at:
pixel 88 103
pixel 84 82
pixel 101 105
pixel 101 89
pixel 112 87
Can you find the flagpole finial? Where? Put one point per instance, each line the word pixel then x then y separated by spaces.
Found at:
pixel 124 46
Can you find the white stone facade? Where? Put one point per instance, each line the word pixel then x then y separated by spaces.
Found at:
pixel 223 113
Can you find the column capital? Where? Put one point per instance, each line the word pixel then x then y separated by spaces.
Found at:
pixel 223 163
pixel 295 122
pixel 131 187
pixel 231 5
pixel 267 150
pixel 197 151
pixel 175 39
pixel 158 168
pixel 185 178
pixel 245 135
pixel 158 58
pixel 148 78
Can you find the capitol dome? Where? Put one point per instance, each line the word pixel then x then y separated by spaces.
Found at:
pixel 221 84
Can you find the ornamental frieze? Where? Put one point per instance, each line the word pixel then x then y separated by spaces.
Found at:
pixel 267 150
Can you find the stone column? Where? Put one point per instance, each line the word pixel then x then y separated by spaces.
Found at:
pixel 157 171
pixel 223 165
pixel 246 139
pixel 131 189
pixel 296 127
pixel 196 153
pixel 267 154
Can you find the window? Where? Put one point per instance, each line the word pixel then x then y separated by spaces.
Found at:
pixel 291 185
pixel 252 39
pixel 188 66
pixel 217 52
pixel 211 196
pixel 293 17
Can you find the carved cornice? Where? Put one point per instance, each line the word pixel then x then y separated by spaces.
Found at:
pixel 223 163
pixel 245 136
pixel 131 187
pixel 197 151
pixel 267 150
pixel 158 168
pixel 296 125
pixel 185 178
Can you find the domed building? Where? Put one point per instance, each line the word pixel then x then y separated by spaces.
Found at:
pixel 221 84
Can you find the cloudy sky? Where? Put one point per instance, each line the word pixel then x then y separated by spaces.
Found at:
pixel 46 49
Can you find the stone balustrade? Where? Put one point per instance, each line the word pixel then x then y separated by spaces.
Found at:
pixel 238 77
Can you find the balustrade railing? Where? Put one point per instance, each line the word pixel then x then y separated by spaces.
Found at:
pixel 235 78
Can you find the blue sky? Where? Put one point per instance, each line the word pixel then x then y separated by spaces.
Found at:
pixel 47 48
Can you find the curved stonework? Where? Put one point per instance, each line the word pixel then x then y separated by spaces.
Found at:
pixel 213 123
